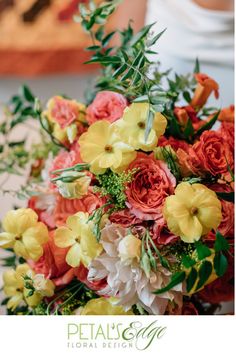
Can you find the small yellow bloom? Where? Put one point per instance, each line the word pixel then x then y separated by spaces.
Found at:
pixel 103 306
pixel 193 211
pixel 24 233
pixel 132 127
pixel 102 148
pixel 42 285
pixel 76 189
pixel 79 237
pixel 130 249
pixel 14 287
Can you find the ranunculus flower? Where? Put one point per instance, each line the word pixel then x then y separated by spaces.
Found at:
pixel 53 263
pixel 209 155
pixel 64 111
pixel 103 306
pixel 65 159
pixel 106 105
pixel 66 207
pixel 174 143
pixel 192 212
pixel 227 114
pixel 124 218
pixel 205 86
pixel 151 184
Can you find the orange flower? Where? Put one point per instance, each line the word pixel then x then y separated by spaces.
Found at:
pixel 227 114
pixel 205 86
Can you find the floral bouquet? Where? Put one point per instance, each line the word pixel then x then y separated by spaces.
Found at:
pixel 129 195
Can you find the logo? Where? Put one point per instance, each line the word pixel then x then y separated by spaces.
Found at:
pixel 112 335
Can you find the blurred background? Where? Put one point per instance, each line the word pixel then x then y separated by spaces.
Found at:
pixel 42 47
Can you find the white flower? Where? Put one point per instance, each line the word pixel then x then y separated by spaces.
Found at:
pixel 126 280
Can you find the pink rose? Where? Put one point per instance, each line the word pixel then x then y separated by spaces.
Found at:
pixel 53 264
pixel 227 131
pixel 64 111
pixel 151 184
pixel 174 143
pixel 162 235
pixel 106 105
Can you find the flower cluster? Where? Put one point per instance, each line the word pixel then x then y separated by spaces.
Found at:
pixel 131 209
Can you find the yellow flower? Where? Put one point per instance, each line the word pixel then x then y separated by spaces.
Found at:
pixel 42 285
pixel 103 306
pixel 193 211
pixel 75 189
pixel 102 148
pixel 79 237
pixel 133 124
pixel 130 249
pixel 14 287
pixel 24 233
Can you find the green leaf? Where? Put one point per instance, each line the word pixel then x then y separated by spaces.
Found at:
pixel 187 96
pixel 27 94
pixel 209 124
pixel 105 60
pixel 120 70
pixel 127 75
pixel 202 250
pixel 197 66
pixel 92 48
pixel 220 264
pixel 140 35
pixel 107 38
pixel 99 34
pixel 176 279
pixel 188 262
pixel 145 264
pixel 149 124
pixel 221 244
pixel 229 197
pixel 204 273
pixel 191 279
pixel 155 39
pixel 140 99
pixel 189 130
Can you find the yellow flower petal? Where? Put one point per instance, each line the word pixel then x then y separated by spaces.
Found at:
pixel 64 237
pixel 7 240
pixel 15 301
pixel 20 249
pixel 33 247
pixel 17 221
pixel 102 306
pixel 74 255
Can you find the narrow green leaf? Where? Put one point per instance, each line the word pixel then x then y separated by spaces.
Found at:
pixel 140 35
pixel 204 273
pixel 99 33
pixel 220 264
pixel 209 124
pixel 221 244
pixel 187 96
pixel 27 94
pixel 107 38
pixel 140 99
pixel 149 124
pixel 176 279
pixel 155 39
pixel 93 48
pixel 191 279
pixel 127 75
pixel 120 70
pixel 189 130
pixel 197 66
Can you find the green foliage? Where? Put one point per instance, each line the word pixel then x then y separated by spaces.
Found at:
pixel 176 279
pixel 113 185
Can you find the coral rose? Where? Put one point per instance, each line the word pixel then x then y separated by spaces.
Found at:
pixel 53 264
pixel 151 184
pixel 227 131
pixel 124 218
pixel 66 207
pixel 212 153
pixel 106 105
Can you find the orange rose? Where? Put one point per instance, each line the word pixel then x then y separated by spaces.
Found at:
pixel 227 114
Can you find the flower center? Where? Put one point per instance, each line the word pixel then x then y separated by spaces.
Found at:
pixel 108 148
pixel 194 211
pixel 141 125
pixel 17 238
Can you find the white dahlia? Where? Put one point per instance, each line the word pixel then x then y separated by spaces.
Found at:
pixel 125 278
